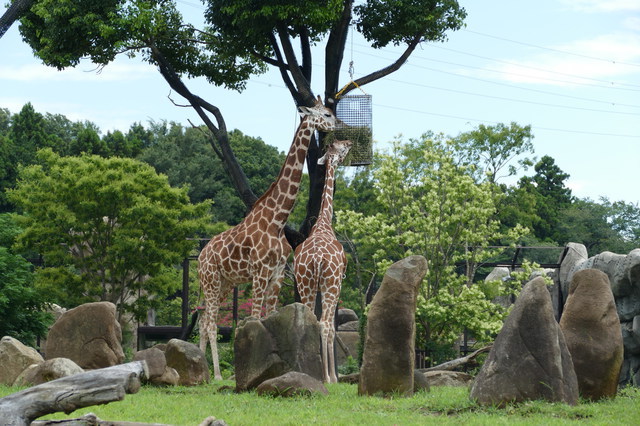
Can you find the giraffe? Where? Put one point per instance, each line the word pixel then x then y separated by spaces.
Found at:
pixel 256 249
pixel 319 263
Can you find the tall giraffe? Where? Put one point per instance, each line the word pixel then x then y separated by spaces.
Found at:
pixel 319 262
pixel 256 249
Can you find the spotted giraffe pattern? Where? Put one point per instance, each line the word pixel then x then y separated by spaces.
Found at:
pixel 319 262
pixel 256 249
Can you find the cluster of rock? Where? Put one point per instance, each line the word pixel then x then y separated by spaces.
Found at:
pixel 89 337
pixel 534 357
pixel 623 273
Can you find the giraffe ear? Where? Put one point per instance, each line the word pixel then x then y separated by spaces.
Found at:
pixel 322 160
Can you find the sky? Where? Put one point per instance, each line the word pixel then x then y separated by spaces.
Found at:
pixel 568 68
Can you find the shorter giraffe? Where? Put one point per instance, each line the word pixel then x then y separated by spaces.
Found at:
pixel 319 262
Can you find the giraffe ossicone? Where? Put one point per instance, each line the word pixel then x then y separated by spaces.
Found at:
pixel 256 249
pixel 320 263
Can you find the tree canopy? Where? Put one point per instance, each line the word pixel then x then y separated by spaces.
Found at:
pixel 240 39
pixel 108 229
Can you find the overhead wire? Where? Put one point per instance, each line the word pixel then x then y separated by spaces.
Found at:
pixel 551 49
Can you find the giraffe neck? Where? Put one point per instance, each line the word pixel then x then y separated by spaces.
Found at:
pixel 326 208
pixel 277 202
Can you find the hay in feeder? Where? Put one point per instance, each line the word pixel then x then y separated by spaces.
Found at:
pixel 361 152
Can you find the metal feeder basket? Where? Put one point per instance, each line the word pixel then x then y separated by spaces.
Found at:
pixel 356 113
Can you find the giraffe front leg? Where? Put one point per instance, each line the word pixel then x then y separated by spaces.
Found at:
pixel 260 289
pixel 274 289
pixel 330 294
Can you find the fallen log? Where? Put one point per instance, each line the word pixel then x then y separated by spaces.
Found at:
pixel 455 363
pixel 67 394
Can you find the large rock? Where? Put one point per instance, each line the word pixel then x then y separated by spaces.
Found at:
pixel 288 340
pixel 576 255
pixel 15 357
pixel 345 315
pixel 48 370
pixel 292 383
pixel 448 378
pixel 389 349
pixel 623 272
pixel 592 331
pixel 529 359
pixel 347 346
pixel 89 335
pixel 189 362
pixel 155 359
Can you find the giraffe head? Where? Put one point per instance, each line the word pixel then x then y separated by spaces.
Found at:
pixel 320 117
pixel 336 152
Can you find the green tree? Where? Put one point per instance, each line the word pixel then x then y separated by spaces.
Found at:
pixel 21 305
pixel 108 229
pixel 492 148
pixel 185 156
pixel 241 38
pixel 432 206
pixel 602 226
pixel 552 197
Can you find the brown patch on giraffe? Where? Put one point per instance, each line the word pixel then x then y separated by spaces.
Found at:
pixel 281 217
pixel 300 157
pixel 296 175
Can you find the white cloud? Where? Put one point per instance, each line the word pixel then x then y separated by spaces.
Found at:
pixel 603 5
pixel 84 72
pixel 632 23
pixel 608 57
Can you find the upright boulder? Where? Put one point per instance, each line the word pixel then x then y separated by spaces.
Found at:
pixel 389 349
pixel 591 329
pixel 15 357
pixel 189 361
pixel 287 340
pixel 576 254
pixel 89 335
pixel 529 359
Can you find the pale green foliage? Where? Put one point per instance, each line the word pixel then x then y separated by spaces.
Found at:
pixel 433 207
pixel 516 280
pixel 108 229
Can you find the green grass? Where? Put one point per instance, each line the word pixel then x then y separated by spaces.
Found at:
pixel 443 405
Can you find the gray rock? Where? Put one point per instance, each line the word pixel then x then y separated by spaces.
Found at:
pixel 346 315
pixel 351 342
pixel 15 357
pixel 420 382
pixel 389 350
pixel 156 361
pixel 349 326
pixel 352 378
pixel 288 340
pixel 292 383
pixel 169 377
pixel 89 335
pixel 576 254
pixel 592 331
pixel 48 370
pixel 256 355
pixel 529 359
pixel 448 378
pixel 189 361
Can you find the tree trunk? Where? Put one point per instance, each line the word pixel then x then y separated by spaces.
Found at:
pixel 453 364
pixel 14 12
pixel 69 393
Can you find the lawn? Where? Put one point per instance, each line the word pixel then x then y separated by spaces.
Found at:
pixel 443 405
